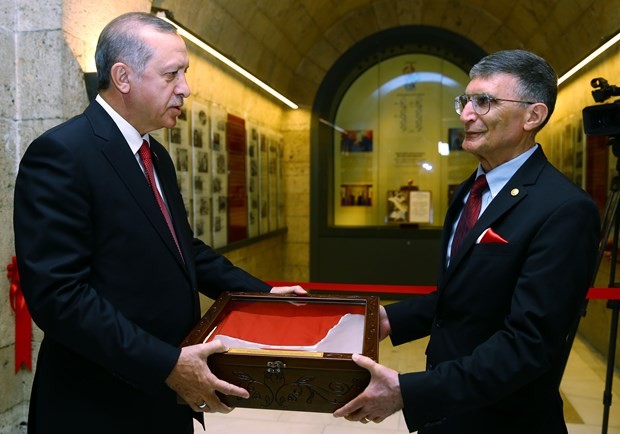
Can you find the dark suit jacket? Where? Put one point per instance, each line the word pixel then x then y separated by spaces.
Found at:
pixel 103 279
pixel 502 312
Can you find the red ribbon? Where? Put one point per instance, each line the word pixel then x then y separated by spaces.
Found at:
pixel 23 323
pixel 593 293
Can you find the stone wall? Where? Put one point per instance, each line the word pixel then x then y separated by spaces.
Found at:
pixel 46 47
pixel 296 131
pixel 39 76
pixel 42 85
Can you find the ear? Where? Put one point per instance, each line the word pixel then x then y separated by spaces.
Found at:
pixel 120 76
pixel 536 115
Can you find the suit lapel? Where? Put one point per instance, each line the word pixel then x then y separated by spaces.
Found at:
pixel 513 192
pixel 118 153
pixel 451 215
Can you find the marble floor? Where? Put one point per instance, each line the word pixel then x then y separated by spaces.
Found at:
pixel 582 389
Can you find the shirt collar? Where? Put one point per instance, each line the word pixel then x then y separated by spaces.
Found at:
pixel 500 175
pixel 131 135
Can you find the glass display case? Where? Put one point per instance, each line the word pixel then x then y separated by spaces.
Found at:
pixel 396 126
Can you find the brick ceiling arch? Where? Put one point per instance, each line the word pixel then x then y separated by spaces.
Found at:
pixel 291 44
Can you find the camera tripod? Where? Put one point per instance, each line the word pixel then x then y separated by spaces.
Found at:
pixel 610 220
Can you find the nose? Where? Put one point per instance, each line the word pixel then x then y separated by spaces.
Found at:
pixel 468 112
pixel 183 87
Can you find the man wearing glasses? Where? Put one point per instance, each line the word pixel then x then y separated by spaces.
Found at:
pixel 518 250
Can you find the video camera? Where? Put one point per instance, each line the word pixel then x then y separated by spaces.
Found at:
pixel 604 119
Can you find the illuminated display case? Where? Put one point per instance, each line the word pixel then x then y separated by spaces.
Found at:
pixel 396 123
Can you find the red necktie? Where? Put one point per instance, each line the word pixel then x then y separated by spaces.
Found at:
pixel 471 212
pixel 147 160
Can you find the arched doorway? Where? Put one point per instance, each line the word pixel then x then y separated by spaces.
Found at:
pixel 377 121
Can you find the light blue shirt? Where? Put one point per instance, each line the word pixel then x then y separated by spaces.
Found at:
pixel 497 179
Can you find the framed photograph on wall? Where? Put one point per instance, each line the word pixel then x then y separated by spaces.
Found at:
pixel 219 177
pixel 455 138
pixel 201 139
pixel 161 135
pixel 279 184
pixel 253 185
pixel 273 183
pixel 263 183
pixel 180 152
pixel 356 141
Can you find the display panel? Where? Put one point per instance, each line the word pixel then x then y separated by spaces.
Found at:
pixel 237 180
pixel 201 143
pixel 391 126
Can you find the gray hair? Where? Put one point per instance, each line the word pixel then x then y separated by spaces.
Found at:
pixel 537 80
pixel 120 42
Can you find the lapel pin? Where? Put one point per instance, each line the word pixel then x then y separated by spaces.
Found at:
pixel 514 192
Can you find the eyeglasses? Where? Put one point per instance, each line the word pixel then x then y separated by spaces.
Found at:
pixel 481 102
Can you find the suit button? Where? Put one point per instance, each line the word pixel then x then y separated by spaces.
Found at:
pixel 439 323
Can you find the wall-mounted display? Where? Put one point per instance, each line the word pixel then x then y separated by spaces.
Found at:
pixel 237 179
pixel 263 174
pixel 394 123
pixel 201 142
pixel 272 169
pixel 161 136
pixel 253 180
pixel 455 138
pixel 219 176
pixel 229 174
pixel 279 184
pixel 180 151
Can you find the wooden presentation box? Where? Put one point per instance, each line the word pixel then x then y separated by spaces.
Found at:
pixel 273 350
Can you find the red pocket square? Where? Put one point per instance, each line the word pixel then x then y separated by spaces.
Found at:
pixel 489 236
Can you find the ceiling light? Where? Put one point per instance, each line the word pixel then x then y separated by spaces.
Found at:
pixel 590 58
pixel 212 51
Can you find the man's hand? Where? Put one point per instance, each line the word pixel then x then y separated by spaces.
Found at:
pixel 379 400
pixel 281 290
pixel 384 324
pixel 194 382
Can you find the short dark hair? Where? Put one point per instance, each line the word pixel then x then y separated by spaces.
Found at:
pixel 537 80
pixel 120 42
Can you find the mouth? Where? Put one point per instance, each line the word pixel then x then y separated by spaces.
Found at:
pixel 177 106
pixel 473 134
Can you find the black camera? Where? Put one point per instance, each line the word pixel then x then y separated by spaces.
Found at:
pixel 603 119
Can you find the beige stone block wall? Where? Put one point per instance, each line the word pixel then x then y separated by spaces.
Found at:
pixel 296 172
pixel 264 259
pixel 27 33
pixel 42 85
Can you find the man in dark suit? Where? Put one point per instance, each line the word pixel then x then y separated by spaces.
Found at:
pixel 111 271
pixel 508 295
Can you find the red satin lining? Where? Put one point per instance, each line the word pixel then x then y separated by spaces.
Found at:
pixel 283 324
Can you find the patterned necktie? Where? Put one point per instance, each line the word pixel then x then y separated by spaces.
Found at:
pixel 471 212
pixel 147 160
